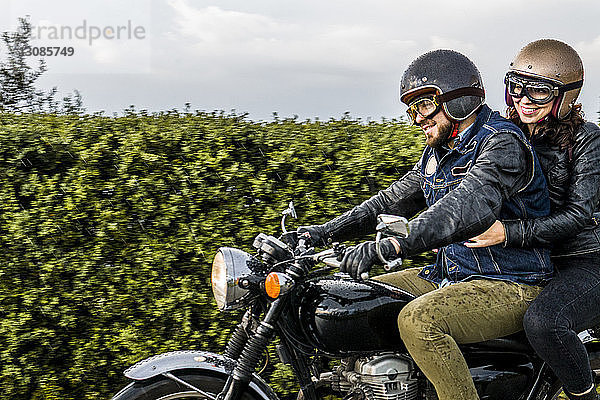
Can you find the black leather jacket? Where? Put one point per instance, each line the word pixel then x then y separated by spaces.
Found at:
pixel 466 211
pixel 574 183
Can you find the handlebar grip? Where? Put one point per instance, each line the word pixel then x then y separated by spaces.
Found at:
pixel 332 262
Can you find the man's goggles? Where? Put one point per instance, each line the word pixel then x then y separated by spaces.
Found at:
pixel 429 105
pixel 426 107
pixel 537 91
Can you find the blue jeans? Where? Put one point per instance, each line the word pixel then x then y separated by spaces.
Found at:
pixel 568 305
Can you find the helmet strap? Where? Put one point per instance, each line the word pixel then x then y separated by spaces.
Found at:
pixel 460 92
pixel 454 133
pixel 543 119
pixel 556 106
pixel 508 98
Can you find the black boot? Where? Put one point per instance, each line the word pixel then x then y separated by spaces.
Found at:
pixel 592 395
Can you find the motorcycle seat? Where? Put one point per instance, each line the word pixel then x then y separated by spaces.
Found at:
pixel 516 342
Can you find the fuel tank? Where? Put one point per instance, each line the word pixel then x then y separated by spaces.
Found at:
pixel 341 316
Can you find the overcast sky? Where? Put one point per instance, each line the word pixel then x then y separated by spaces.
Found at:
pixel 311 58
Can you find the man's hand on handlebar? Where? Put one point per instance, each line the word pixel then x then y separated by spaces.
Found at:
pixel 361 258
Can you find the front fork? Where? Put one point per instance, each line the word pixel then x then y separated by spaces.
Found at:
pixel 251 353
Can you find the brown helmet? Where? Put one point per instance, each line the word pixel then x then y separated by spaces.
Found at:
pixel 552 61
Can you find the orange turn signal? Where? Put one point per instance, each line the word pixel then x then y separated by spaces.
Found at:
pixel 272 286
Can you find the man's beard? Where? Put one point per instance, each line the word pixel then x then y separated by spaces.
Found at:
pixel 441 139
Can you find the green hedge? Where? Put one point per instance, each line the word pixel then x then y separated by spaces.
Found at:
pixel 108 227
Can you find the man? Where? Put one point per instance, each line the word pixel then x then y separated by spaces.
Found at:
pixel 477 167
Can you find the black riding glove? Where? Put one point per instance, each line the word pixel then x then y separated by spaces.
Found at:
pixel 315 235
pixel 362 257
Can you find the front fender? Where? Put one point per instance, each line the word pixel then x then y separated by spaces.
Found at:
pixel 203 361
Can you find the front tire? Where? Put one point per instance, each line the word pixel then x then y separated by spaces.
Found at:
pixel 163 388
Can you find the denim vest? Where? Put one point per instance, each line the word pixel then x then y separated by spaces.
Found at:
pixel 441 174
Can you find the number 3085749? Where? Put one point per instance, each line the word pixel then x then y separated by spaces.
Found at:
pixel 48 51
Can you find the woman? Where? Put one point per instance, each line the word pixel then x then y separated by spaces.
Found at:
pixel 542 85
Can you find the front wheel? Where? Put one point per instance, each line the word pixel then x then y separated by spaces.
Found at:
pixel 163 388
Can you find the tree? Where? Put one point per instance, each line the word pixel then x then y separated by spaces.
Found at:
pixel 18 93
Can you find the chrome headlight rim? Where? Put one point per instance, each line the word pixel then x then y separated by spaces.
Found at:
pixel 233 265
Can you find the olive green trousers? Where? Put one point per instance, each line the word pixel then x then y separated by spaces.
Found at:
pixel 465 312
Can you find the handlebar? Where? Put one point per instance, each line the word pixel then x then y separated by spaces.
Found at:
pixel 386 223
pixel 330 258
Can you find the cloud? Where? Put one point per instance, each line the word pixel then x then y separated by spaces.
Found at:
pixel 214 25
pixel 589 51
pixel 252 40
pixel 438 42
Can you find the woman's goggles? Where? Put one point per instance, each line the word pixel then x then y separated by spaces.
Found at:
pixel 538 91
pixel 426 107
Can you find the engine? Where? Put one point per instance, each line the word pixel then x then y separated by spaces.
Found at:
pixel 383 377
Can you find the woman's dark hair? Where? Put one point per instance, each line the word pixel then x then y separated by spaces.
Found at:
pixel 558 132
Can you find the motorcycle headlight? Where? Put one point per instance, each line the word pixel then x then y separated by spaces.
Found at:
pixel 228 266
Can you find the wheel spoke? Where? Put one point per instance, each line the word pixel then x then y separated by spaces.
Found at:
pixel 190 386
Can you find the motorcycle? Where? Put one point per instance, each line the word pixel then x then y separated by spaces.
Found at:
pixel 338 334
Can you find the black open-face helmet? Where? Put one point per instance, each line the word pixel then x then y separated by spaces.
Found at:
pixel 449 75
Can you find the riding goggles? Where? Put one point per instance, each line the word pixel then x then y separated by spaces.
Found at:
pixel 426 107
pixel 429 105
pixel 537 91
